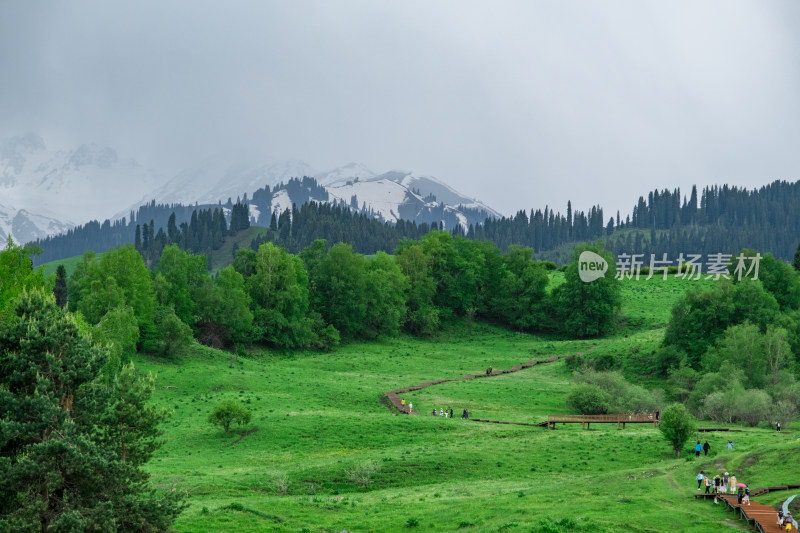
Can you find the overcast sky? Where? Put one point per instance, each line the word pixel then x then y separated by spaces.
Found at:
pixel 520 104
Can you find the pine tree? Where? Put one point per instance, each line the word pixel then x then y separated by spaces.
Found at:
pixel 60 287
pixel 797 258
pixel 70 448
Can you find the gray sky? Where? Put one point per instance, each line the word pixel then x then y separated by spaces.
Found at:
pixel 520 104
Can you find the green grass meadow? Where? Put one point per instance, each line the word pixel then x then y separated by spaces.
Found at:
pixel 319 415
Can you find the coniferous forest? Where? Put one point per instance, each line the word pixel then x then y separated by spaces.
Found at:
pixel 717 219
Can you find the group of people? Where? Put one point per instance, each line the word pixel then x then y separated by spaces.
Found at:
pixel 449 413
pixel 704 448
pixel 719 484
pixel 785 520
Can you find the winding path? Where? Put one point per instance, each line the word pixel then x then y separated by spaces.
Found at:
pixel 395 400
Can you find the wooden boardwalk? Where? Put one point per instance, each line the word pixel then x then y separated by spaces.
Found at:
pixel 619 419
pixel 764 517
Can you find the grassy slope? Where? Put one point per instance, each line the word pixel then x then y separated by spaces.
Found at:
pixel 219 258
pixel 320 414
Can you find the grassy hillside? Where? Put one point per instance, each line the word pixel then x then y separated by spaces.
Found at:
pixel 69 263
pixel 321 416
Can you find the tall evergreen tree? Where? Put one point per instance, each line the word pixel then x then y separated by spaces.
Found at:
pixel 60 287
pixel 71 450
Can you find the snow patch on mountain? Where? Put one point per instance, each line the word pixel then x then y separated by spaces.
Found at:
pixel 341 175
pixel 383 196
pixel 45 189
pixel 221 177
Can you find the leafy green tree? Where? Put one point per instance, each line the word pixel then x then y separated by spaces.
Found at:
pixel 58 469
pixel 184 277
pixel 753 406
pixel 60 287
pixel 119 277
pixel 229 412
pixel 387 289
pixel 677 426
pixel 587 309
pixel 279 292
pixel 120 333
pixel 340 290
pixel 16 275
pixel 172 336
pixel 224 310
pixel 780 279
pixel 422 316
pixel 519 297
pixel 703 314
pixel 589 399
pixel 728 377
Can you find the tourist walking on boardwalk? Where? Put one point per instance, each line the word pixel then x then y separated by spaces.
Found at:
pixel 717 483
pixel 706 447
pixel 733 484
pixel 700 477
pixel 708 485
pixel 697 449
pixel 746 497
pixel 739 496
pixel 725 479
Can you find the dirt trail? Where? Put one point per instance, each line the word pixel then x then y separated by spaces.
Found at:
pixel 396 401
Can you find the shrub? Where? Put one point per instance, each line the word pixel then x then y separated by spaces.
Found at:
pixel 588 399
pixel 361 474
pixel 227 413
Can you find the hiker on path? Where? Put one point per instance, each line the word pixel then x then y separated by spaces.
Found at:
pixel 658 414
pixel 410 407
pixel 778 426
pixel 708 485
pixel 464 414
pixel 697 449
pixel 730 444
pixel 451 412
pixel 441 412
pixel 733 484
pixel 700 477
pixel 434 411
pixel 706 447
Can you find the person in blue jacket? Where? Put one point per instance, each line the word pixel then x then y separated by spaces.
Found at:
pixel 698 449
pixel 700 477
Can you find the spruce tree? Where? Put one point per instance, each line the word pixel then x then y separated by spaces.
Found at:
pixel 71 448
pixel 60 287
pixel 797 258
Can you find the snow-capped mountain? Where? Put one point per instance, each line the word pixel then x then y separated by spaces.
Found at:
pixel 45 191
pixel 221 177
pixel 24 226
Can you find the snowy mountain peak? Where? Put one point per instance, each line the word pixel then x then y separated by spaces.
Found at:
pixel 343 174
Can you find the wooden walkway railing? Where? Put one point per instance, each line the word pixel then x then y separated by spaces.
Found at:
pixel 764 517
pixel 619 418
